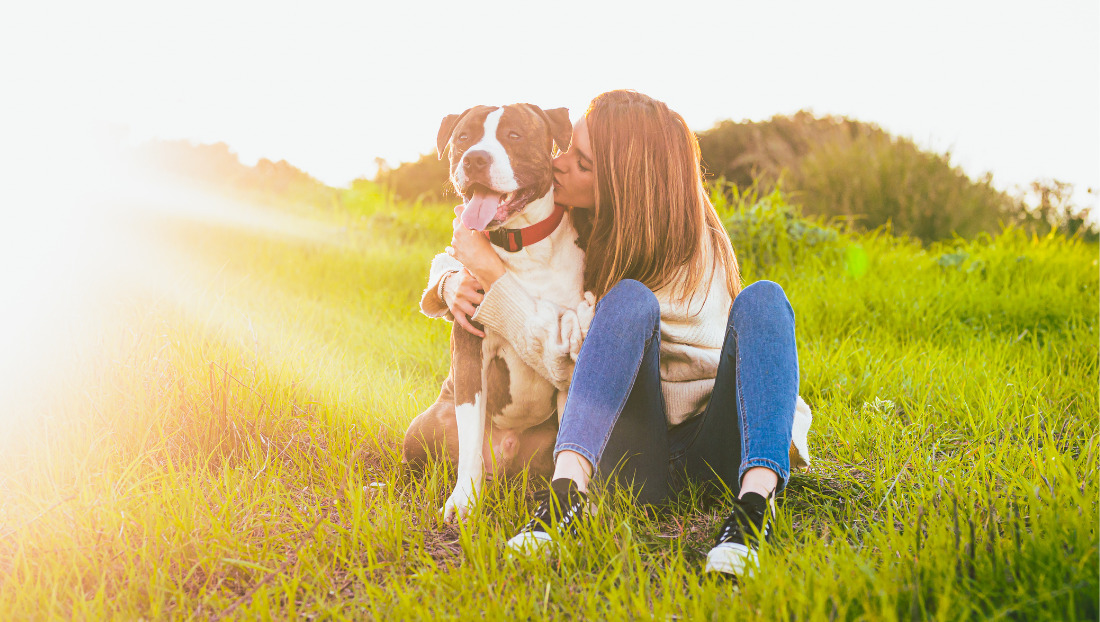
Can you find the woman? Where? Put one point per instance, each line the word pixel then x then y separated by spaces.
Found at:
pixel 681 373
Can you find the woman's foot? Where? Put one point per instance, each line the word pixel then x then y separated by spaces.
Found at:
pixel 748 527
pixel 561 508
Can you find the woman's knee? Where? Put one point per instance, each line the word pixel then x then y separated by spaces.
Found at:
pixel 762 299
pixel 631 298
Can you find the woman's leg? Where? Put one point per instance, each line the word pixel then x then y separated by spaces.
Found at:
pixel 614 417
pixel 745 436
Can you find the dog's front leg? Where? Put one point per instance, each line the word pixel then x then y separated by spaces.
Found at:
pixel 466 357
pixel 471 465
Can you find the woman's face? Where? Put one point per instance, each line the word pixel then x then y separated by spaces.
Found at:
pixel 574 179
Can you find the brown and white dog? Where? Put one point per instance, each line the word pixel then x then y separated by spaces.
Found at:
pixel 501 163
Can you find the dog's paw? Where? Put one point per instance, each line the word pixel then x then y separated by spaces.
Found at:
pixel 586 310
pixel 457 506
pixel 571 333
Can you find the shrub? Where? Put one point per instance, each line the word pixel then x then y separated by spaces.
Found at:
pixel 874 180
pixel 837 167
pixel 749 152
pixel 767 231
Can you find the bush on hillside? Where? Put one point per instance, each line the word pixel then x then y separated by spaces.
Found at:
pixel 874 180
pixel 752 152
pixel 840 168
pixel 836 167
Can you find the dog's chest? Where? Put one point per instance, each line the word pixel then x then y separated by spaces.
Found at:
pixel 517 396
pixel 551 270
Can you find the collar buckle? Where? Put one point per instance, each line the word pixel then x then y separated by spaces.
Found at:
pixel 510 240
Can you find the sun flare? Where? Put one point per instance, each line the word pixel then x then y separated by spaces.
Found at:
pixel 77 264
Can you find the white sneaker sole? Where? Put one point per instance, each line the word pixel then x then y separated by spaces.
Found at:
pixel 529 542
pixel 730 558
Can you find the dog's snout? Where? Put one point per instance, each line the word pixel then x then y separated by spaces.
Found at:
pixel 477 160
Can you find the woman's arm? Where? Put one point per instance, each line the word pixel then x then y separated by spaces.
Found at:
pixel 452 293
pixel 546 336
pixel 431 302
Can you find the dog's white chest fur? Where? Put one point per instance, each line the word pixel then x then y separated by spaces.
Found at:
pixel 550 270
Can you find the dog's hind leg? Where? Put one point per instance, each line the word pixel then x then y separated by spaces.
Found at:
pixel 535 450
pixel 466 358
pixel 434 432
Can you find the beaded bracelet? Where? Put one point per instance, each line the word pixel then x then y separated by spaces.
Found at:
pixel 442 282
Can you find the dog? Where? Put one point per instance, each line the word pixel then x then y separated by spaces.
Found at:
pixel 504 411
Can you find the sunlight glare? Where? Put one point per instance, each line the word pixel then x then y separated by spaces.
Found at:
pixel 92 236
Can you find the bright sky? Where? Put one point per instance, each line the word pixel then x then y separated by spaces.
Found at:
pixel 1009 87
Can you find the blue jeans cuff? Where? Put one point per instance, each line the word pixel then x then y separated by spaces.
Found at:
pixel 577 448
pixel 783 474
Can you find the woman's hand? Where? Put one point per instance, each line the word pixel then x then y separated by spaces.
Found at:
pixel 462 294
pixel 473 250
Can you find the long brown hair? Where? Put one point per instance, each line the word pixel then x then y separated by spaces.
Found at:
pixel 653 217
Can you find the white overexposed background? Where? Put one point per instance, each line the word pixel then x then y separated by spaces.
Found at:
pixel 1009 87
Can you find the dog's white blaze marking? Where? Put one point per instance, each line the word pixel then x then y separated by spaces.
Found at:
pixel 501 176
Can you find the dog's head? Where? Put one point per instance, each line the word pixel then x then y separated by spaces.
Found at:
pixel 501 158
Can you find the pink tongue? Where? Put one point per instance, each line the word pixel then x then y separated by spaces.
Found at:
pixel 481 209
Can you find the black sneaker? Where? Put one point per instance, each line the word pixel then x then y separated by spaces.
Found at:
pixel 561 507
pixel 748 526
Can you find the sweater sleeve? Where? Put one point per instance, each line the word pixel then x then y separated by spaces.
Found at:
pixel 430 304
pixel 545 335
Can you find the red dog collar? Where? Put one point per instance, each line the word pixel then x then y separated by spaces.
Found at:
pixel 512 240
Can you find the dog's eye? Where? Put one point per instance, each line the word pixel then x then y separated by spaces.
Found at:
pixel 514 135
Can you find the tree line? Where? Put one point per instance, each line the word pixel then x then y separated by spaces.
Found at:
pixel 217 167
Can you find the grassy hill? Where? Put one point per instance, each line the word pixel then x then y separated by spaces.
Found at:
pixel 840 168
pixel 227 447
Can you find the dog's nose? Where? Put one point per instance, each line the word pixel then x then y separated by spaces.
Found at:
pixel 477 160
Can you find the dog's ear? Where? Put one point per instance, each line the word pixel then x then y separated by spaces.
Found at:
pixel 560 127
pixel 446 129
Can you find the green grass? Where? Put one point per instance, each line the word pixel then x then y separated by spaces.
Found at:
pixel 229 447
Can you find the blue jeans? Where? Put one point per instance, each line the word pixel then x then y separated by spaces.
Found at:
pixel 615 413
